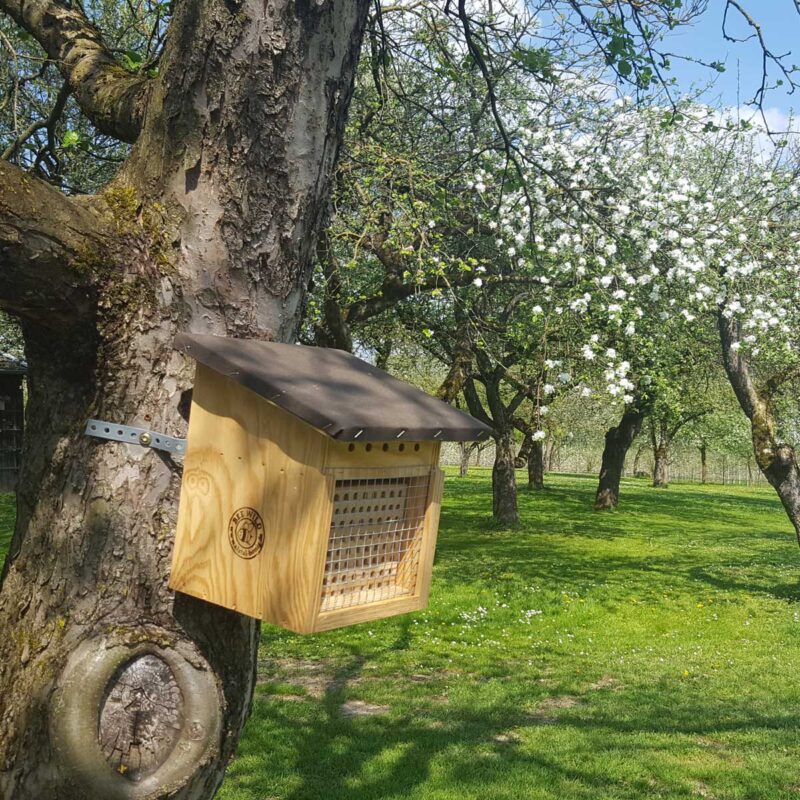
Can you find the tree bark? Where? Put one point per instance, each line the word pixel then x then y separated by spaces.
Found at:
pixel 464 451
pixel 550 454
pixel 777 460
pixel 536 466
pixel 617 443
pixel 502 422
pixel 524 452
pixel 209 228
pixel 703 463
pixel 504 481
pixel 661 466
pixel 46 275
pixel 637 460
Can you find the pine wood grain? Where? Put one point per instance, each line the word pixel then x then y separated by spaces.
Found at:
pixel 252 462
pixel 246 453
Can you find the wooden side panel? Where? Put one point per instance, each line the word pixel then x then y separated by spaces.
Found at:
pixel 426 505
pixel 430 533
pixel 251 464
pixel 366 455
pixel 217 480
pixel 352 616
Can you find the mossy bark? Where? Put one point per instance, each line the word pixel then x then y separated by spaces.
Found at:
pixel 464 452
pixel 777 460
pixel 504 481
pixel 536 466
pixel 661 466
pixel 209 227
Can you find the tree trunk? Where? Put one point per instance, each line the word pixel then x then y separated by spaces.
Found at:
pixel 703 463
pixel 618 442
pixel 504 481
pixel 661 466
pixel 464 451
pixel 637 460
pixel 550 454
pixel 776 460
pixel 112 686
pixel 524 452
pixel 536 466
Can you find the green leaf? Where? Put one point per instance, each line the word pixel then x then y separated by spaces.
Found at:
pixel 535 59
pixel 70 139
pixel 132 61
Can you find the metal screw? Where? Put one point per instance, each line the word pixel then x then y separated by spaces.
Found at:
pixel 145 439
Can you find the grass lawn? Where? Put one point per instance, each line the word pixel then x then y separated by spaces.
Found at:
pixel 652 652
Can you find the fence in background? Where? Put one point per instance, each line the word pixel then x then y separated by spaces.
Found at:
pixel 685 463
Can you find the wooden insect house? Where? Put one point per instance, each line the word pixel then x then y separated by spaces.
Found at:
pixel 311 485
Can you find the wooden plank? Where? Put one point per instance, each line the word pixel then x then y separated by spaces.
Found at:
pixel 431 530
pixel 245 453
pixel 352 616
pixel 360 455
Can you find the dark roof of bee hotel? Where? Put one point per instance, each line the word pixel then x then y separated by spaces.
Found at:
pixel 337 393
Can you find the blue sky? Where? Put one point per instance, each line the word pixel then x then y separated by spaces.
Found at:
pixel 736 86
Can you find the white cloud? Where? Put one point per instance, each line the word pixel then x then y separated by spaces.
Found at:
pixel 769 125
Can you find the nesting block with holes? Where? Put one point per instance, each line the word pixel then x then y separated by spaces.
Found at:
pixel 311 485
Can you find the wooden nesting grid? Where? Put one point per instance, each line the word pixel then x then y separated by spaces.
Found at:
pixel 376 537
pixel 278 434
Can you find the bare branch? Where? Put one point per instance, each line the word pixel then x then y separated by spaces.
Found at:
pixel 767 55
pixel 48 124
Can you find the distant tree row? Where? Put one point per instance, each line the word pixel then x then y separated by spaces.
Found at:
pixel 554 239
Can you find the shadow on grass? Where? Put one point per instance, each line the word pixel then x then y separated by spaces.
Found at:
pixel 562 542
pixel 469 750
pixel 567 508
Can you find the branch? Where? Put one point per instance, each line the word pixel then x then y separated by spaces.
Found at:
pixel 34 127
pixel 333 331
pixel 45 239
pixel 475 405
pixel 779 379
pixel 767 56
pixel 459 370
pixel 392 291
pixel 736 366
pixel 112 98
pixel 673 432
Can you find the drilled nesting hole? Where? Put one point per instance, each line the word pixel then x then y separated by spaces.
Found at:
pixel 375 540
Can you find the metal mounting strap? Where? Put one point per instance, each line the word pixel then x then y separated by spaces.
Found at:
pixel 133 435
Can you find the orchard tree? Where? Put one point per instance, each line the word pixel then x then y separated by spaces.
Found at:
pixel 725 430
pixel 208 132
pixel 646 228
pixel 209 226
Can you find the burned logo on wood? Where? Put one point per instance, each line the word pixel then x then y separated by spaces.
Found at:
pixel 246 532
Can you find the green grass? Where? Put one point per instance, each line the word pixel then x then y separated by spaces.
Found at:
pixel 7 515
pixel 647 653
pixel 652 652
